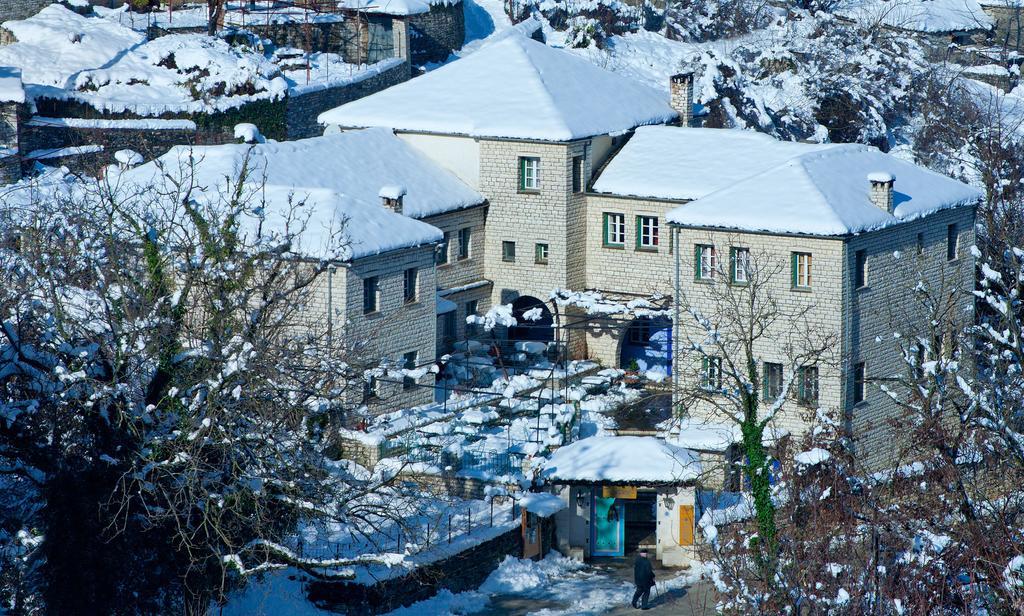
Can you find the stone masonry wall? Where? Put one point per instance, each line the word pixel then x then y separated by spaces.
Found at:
pixel 9 120
pixel 21 9
pixel 358 38
pixel 1009 29
pixel 436 33
pixel 769 254
pixel 527 218
pixel 887 305
pixel 457 272
pixel 395 328
pixel 461 572
pixel 304 107
pixel 10 168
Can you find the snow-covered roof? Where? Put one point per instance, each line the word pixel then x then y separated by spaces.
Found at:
pixel 516 88
pixel 622 459
pixel 338 177
pixel 395 7
pixel 544 504
pixel 666 162
pixel 748 181
pixel 921 15
pixel 11 90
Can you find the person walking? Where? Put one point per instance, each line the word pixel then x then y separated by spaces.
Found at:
pixel 643 577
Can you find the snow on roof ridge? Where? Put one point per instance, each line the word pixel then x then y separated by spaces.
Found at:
pixel 514 88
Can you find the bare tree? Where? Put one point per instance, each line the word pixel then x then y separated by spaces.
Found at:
pixel 168 391
pixel 729 329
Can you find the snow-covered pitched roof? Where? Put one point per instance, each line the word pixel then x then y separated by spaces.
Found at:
pixel 742 180
pixel 665 162
pixel 514 87
pixel 11 90
pixel 921 15
pixel 622 459
pixel 338 177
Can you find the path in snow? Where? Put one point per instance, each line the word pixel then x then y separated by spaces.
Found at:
pixel 558 586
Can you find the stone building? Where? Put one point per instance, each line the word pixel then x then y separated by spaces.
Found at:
pixel 394 209
pixel 581 195
pixel 528 137
pixel 12 112
pixel 840 236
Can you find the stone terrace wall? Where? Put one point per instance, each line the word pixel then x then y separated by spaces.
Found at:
pixel 20 9
pixel 304 108
pixel 363 38
pixel 10 168
pixel 435 34
pixel 459 573
pixel 292 117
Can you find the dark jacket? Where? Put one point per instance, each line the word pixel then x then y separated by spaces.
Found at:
pixel 643 572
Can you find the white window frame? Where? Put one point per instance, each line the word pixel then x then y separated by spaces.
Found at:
pixel 647 232
pixel 803 274
pixel 707 261
pixel 529 170
pixel 740 263
pixel 615 229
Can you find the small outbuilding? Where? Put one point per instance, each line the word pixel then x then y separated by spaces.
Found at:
pixel 623 494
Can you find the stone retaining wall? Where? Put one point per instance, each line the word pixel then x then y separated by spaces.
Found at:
pixel 458 573
pixel 20 9
pixel 435 34
pixel 303 109
pixel 292 117
pixel 10 169
pixel 359 39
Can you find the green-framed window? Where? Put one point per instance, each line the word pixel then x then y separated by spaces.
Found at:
pixel 807 386
pixel 508 251
pixel 771 385
pixel 540 253
pixel 802 263
pixel 529 173
pixel 739 265
pixel 705 262
pixel 646 232
pixel 711 373
pixel 614 229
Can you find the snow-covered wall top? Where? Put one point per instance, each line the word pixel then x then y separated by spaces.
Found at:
pixel 515 88
pixel 338 177
pixel 395 7
pixel 11 90
pixel 748 181
pixel 622 459
pixel 920 15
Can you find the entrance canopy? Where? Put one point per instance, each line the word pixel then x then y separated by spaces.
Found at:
pixel 644 460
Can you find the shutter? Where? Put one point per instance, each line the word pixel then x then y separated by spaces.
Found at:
pixel 522 173
pixel 604 227
pixel 704 372
pixel 686 520
pixel 697 262
pixel 801 384
pixel 765 377
pixel 639 226
pixel 794 267
pixel 732 265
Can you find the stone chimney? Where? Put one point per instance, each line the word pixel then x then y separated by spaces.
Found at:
pixel 881 190
pixel 681 88
pixel 391 197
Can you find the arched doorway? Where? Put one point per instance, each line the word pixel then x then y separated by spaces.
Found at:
pixel 647 344
pixel 533 320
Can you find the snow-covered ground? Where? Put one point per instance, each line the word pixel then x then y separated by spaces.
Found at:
pixel 563 585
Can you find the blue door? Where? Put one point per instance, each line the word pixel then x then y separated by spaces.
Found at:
pixel 608 530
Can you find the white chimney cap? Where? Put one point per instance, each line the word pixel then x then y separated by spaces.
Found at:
pixel 881 177
pixel 392 191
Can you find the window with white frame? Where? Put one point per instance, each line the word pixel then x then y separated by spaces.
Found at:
pixel 772 382
pixel 740 266
pixel 711 377
pixel 540 253
pixel 802 277
pixel 807 386
pixel 614 229
pixel 705 262
pixel 647 232
pixel 529 173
